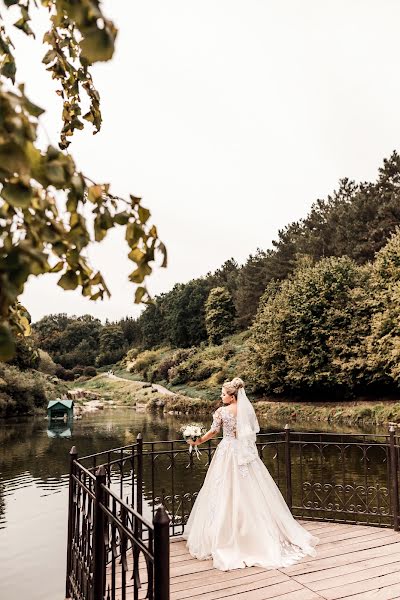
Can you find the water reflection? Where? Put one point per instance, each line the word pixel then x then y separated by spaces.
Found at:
pixel 56 430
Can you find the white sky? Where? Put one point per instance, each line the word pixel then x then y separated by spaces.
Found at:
pixel 229 118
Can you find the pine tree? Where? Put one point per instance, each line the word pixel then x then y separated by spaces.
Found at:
pixel 220 315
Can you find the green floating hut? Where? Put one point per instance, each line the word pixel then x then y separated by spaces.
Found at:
pixel 57 409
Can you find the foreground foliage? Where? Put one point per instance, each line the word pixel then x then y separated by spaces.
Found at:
pixel 36 237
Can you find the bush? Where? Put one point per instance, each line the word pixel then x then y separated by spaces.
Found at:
pixel 221 376
pixel 161 372
pixel 46 364
pixel 26 354
pixel 143 361
pixel 60 372
pixel 69 375
pixel 7 405
pixel 109 358
pixel 90 372
pixel 22 392
pixel 78 370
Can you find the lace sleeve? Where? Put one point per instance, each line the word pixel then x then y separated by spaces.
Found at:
pixel 217 420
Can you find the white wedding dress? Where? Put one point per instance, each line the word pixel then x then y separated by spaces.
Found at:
pixel 240 518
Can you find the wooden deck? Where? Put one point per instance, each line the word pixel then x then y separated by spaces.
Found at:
pixel 354 562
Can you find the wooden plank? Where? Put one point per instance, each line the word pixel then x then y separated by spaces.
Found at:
pixel 358 547
pixel 388 593
pixel 351 533
pixel 356 540
pixel 197 579
pixel 324 527
pixel 224 588
pixel 347 568
pixel 216 577
pixel 368 585
pixel 262 593
pixel 335 561
pixel 347 579
pixel 303 594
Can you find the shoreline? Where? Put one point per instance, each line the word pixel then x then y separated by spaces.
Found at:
pixel 117 391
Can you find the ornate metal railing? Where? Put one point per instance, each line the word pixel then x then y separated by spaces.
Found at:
pixel 126 502
pixel 113 550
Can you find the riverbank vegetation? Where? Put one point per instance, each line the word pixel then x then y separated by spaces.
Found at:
pixel 202 403
pixel 27 391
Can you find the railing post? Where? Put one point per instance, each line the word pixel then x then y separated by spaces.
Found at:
pixel 73 455
pixel 139 501
pixel 161 554
pixel 288 467
pixel 394 481
pixel 139 474
pixel 99 562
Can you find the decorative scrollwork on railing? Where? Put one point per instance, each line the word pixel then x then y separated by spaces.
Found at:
pixel 129 548
pixel 356 499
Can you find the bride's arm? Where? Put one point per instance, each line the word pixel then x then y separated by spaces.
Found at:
pixel 214 429
pixel 204 438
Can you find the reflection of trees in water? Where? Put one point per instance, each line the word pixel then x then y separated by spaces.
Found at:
pixel 26 448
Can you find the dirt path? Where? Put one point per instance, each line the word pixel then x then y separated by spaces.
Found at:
pixel 157 386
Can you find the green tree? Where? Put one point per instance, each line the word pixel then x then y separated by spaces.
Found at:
pixel 384 340
pixel 69 340
pixel 112 345
pixel 184 313
pixel 112 338
pixel 310 331
pixel 26 355
pixel 226 276
pixel 152 324
pixel 35 238
pixel 132 331
pixel 251 283
pixel 220 315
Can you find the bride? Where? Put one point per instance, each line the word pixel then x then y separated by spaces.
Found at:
pixel 240 518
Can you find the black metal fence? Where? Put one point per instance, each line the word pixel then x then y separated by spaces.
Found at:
pixel 125 503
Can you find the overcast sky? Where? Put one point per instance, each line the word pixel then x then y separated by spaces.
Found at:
pixel 230 118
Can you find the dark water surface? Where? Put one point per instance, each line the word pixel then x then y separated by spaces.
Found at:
pixel 33 489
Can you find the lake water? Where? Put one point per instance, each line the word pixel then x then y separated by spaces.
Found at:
pixel 34 483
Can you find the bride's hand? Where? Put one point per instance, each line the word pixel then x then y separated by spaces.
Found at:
pixel 192 443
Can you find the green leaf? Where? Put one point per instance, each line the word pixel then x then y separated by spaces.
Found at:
pixel 144 214
pixel 55 173
pixel 13 159
pixel 121 218
pixel 68 281
pixel 49 56
pixel 17 195
pixel 95 193
pixel 7 344
pixel 8 68
pixel 33 109
pixel 133 233
pixel 98 45
pixel 164 252
pixel 136 255
pixel 57 267
pixel 139 293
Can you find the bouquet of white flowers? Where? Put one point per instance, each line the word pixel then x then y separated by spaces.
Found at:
pixel 192 432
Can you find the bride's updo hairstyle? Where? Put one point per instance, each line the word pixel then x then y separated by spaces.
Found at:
pixel 232 387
